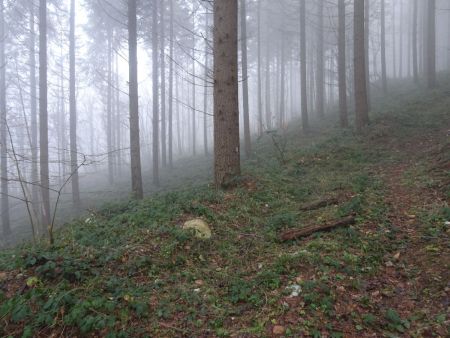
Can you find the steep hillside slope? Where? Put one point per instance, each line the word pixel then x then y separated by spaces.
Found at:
pixel 129 270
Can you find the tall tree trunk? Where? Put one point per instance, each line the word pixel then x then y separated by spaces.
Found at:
pixel 361 106
pixel 226 93
pixel 341 66
pixel 3 129
pixel 109 112
pixel 304 95
pixel 205 89
pixel 62 121
pixel 73 113
pixel 177 95
pixel 260 113
pixel 194 101
pixel 34 113
pixel 170 145
pixel 448 41
pixel 43 115
pixel 118 117
pixel 383 47
pixel 291 85
pixel 408 40
pixel 268 90
pixel 277 81
pixel 424 38
pixel 113 110
pixel 247 139
pixel 431 43
pixel 400 65
pixel 311 80
pixel 282 112
pixel 331 78
pixel 163 87
pixel 155 94
pixel 414 43
pixel 394 45
pixel 135 148
pixel 367 47
pixel 320 81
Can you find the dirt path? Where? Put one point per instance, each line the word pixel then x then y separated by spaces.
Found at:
pixel 414 280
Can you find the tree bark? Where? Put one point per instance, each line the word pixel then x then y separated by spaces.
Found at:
pixel 383 47
pixel 43 115
pixel 291 85
pixel 361 105
pixel 247 139
pixel 400 65
pixel 73 113
pixel 177 95
pixel 118 117
pixel 109 112
pixel 448 40
pixel 155 94
pixel 61 120
pixel 3 129
pixel 205 90
pixel 423 38
pixel 331 81
pixel 408 39
pixel 367 47
pixel 320 83
pixel 343 114
pixel 260 116
pixel 226 101
pixel 282 62
pixel 268 89
pixel 135 152
pixel 34 113
pixel 414 42
pixel 394 46
pixel 194 101
pixel 304 95
pixel 170 145
pixel 431 44
pixel 163 87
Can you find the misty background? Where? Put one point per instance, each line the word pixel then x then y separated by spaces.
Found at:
pixel 175 61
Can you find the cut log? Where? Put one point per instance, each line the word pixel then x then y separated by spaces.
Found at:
pixel 319 204
pixel 306 231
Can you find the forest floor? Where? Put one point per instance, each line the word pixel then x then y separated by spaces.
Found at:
pixel 129 270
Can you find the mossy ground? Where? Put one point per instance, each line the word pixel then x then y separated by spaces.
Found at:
pixel 128 270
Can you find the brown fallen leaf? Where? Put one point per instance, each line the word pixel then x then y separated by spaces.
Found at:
pixel 3 276
pixel 278 330
pixel 341 289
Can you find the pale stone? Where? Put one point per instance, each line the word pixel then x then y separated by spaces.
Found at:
pixel 201 228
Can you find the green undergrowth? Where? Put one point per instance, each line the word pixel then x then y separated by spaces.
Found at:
pixel 129 269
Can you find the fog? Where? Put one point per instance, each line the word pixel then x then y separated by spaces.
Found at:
pixel 175 66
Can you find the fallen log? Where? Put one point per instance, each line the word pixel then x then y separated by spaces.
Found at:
pixel 306 231
pixel 319 204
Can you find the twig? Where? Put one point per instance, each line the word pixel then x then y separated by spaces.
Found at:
pixel 22 186
pixel 319 204
pixel 306 231
pixel 52 224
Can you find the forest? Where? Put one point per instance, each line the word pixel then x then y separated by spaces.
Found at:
pixel 224 168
